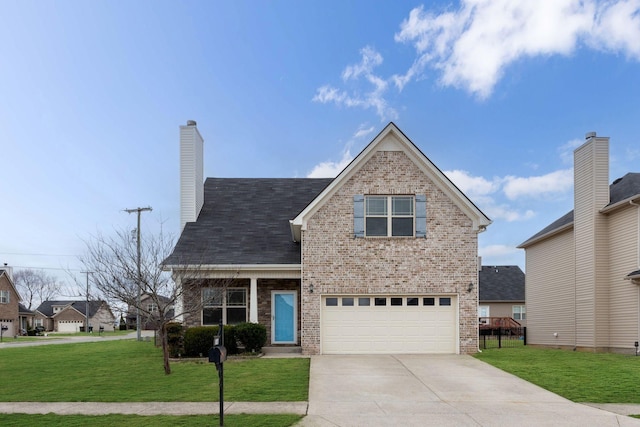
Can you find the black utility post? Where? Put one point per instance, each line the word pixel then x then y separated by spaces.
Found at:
pixel 217 355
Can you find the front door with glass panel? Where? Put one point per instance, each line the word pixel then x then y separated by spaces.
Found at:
pixel 284 317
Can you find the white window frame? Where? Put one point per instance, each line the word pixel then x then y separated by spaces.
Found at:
pixel 152 307
pixel 389 214
pixel 224 304
pixel 5 297
pixel 520 311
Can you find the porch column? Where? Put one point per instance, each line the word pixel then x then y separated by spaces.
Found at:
pixel 253 301
pixel 179 302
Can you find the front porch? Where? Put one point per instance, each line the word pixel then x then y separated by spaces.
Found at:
pixel 272 301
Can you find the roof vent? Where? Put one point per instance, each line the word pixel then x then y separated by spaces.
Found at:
pixel 616 181
pixel 193 123
pixel 590 135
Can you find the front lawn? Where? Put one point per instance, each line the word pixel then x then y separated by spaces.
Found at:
pixel 242 420
pixel 131 371
pixel 578 376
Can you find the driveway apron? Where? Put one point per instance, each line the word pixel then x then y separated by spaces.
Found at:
pixel 436 390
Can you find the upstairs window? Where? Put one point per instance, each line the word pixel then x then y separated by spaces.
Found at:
pixel 4 297
pixel 389 216
pixel 152 307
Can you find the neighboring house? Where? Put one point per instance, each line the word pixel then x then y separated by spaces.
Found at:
pixel 9 303
pixel 25 318
pixel 502 293
pixel 380 259
pixel 583 270
pixel 70 316
pixel 149 305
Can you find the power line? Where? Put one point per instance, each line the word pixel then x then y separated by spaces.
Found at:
pixel 32 254
pixel 45 268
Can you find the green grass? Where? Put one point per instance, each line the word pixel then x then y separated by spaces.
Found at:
pixel 243 420
pixel 578 376
pixel 131 371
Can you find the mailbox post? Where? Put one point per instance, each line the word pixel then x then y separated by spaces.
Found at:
pixel 2 329
pixel 217 355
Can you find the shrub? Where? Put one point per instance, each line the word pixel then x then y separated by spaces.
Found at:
pixel 198 340
pixel 252 336
pixel 175 338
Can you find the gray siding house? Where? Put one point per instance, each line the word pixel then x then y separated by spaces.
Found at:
pixel 380 259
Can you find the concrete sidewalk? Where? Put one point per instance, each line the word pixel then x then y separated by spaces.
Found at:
pixel 153 408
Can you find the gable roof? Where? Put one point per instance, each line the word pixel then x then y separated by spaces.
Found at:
pixel 501 283
pixel 246 220
pixel 621 191
pixel 4 272
pixel 391 138
pixel 24 310
pixel 46 308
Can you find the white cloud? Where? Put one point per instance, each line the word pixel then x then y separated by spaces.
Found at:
pixel 497 251
pixel 363 132
pixel 331 169
pixel 481 191
pixel 617 28
pixel 557 182
pixel 361 74
pixel 370 60
pixel 473 185
pixel 471 47
pixel 566 150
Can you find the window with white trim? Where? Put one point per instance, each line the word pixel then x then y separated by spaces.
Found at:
pixel 389 216
pixel 152 307
pixel 230 305
pixel 4 297
pixel 519 312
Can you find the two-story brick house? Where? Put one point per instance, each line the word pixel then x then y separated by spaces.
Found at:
pixel 380 259
pixel 9 304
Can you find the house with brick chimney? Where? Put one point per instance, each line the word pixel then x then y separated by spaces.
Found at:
pixel 382 258
pixel 583 270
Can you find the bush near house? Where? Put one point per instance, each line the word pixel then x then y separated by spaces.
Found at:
pixel 252 336
pixel 175 338
pixel 198 340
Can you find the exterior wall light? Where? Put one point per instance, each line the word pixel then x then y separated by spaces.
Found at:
pixel 311 288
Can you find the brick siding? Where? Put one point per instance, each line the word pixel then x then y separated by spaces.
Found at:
pixel 337 263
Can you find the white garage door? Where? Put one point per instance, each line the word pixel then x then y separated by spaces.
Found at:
pixel 388 324
pixel 70 325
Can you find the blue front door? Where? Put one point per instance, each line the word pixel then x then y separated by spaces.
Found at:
pixel 284 309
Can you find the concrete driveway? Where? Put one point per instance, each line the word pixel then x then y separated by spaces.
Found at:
pixel 436 390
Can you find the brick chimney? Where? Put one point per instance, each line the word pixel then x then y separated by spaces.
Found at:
pixel 191 173
pixel 591 193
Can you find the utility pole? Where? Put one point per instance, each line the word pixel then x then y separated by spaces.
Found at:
pixel 86 310
pixel 138 211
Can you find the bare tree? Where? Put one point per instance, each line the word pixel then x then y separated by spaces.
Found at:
pixel 113 262
pixel 36 286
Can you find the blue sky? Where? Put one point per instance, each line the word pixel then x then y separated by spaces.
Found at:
pixel 496 93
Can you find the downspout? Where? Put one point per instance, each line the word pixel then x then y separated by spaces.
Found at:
pixel 632 203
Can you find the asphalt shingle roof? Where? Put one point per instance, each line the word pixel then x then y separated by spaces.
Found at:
pixel 501 283
pixel 246 221
pixel 46 307
pixel 621 189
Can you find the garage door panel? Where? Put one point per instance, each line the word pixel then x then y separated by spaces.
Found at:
pixel 390 329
